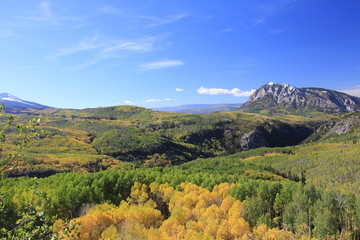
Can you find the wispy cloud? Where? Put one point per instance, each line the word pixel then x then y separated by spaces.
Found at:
pixel 222 91
pixel 158 21
pixel 140 45
pixel 268 9
pixel 128 102
pixel 146 21
pixel 355 91
pixel 110 10
pixel 45 14
pixel 7 33
pixel 85 45
pixel 160 100
pixel 161 64
pixel 275 6
pixel 103 48
pixel 179 89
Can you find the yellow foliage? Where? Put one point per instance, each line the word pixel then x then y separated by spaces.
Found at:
pixel 132 229
pixel 278 234
pixel 227 204
pixel 273 154
pixel 166 191
pixel 237 210
pixel 195 235
pixel 128 218
pixel 251 158
pixel 222 189
pixel 172 229
pixel 238 227
pixel 138 194
pixel 195 213
pixel 111 233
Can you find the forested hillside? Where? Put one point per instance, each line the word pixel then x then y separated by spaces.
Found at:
pixel 125 137
pixel 232 197
pixel 133 173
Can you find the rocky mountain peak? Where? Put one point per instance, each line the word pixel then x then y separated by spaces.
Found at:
pixel 278 95
pixel 279 92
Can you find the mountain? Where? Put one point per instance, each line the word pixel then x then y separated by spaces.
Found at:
pixel 12 103
pixel 200 108
pixel 275 96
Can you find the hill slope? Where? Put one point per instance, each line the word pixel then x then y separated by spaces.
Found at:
pixel 200 108
pixel 99 138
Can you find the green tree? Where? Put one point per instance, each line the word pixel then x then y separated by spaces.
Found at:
pixel 25 133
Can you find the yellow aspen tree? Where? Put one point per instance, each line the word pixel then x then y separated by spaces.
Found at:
pixel 222 190
pixel 226 204
pixel 223 231
pixel 238 227
pixel 111 233
pixel 236 210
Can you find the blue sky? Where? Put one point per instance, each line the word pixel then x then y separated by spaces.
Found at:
pixel 153 53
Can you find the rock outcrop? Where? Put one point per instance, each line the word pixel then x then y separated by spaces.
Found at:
pixel 275 95
pixel 343 125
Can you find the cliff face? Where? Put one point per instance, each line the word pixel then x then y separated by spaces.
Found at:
pixel 274 95
pixel 349 123
pixel 275 135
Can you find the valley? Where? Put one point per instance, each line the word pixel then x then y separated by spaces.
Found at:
pixel 126 172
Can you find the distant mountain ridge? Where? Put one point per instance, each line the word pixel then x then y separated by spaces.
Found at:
pixel 277 95
pixel 11 102
pixel 200 108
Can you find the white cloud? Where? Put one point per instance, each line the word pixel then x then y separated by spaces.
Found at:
pixel 88 44
pixel 103 48
pixel 354 91
pixel 140 45
pixel 128 102
pixel 267 9
pixel 159 100
pixel 161 64
pixel 152 100
pixel 179 89
pixel 221 91
pixel 212 91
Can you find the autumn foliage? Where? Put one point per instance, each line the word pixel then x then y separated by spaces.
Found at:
pixel 193 213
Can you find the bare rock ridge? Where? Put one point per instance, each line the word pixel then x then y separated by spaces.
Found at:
pixel 275 95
